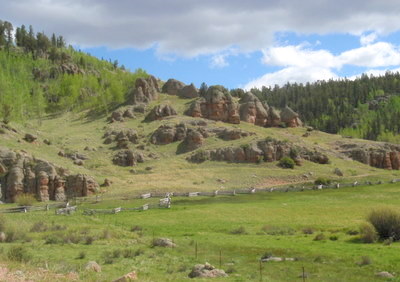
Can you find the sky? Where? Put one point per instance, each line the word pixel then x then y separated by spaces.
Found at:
pixel 234 43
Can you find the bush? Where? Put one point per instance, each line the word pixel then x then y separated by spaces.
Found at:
pixel 25 200
pixel 18 253
pixel 365 260
pixel 89 240
pixel 322 181
pixel 3 223
pixel 81 255
pixel 239 231
pixel 334 238
pixel 39 226
pixel 278 230
pixel 286 162
pixel 386 222
pixel 308 230
pixel 368 233
pixel 136 228
pixel 319 237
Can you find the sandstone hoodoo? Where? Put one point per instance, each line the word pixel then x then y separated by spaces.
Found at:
pixel 172 87
pixel 252 110
pixel 121 114
pixel 290 118
pixel 167 134
pixel 146 90
pixel 21 173
pixel 217 104
pixel 189 92
pixel 128 158
pixel 161 111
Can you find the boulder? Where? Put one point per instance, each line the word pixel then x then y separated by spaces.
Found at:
pixel 232 134
pixel 122 137
pixel 163 242
pixel 172 87
pixel 252 110
pixel 128 158
pixel 189 92
pixel 384 274
pixel 206 271
pixel 145 90
pixel 131 276
pixel 30 138
pixel 274 117
pixel 160 111
pixel 217 104
pixel 167 134
pixel 93 266
pixel 290 117
pixel 193 140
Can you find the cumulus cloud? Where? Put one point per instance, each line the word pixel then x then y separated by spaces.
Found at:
pixel 367 39
pixel 306 65
pixel 191 28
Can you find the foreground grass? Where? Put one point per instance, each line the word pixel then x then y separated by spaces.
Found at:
pixel 243 228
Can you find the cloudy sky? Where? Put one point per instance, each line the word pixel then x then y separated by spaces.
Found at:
pixel 235 43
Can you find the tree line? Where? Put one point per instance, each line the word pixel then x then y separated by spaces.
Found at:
pixel 367 107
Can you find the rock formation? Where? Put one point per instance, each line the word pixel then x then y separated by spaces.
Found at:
pixel 189 92
pixel 266 150
pixel 382 155
pixel 128 158
pixel 160 111
pixel 274 118
pixel 146 90
pixel 206 271
pixel 121 114
pixel 167 134
pixel 122 137
pixel 21 173
pixel 217 105
pixel 172 87
pixel 252 110
pixel 290 118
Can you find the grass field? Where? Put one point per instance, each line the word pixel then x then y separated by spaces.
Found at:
pixel 272 223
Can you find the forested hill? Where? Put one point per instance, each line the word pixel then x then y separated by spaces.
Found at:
pixel 368 107
pixel 39 74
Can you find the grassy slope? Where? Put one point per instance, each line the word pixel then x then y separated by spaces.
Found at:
pixel 171 172
pixel 209 221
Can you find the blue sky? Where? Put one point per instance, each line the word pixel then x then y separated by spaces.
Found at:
pixel 229 42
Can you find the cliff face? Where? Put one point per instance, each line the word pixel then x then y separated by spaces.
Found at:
pixel 21 173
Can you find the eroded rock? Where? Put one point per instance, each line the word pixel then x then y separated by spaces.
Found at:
pixel 161 111
pixel 128 158
pixel 146 90
pixel 206 271
pixel 172 87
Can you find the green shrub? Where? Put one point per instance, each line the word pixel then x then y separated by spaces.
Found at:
pixel 18 253
pixel 39 226
pixel 334 238
pixel 319 237
pixel 322 181
pixel 386 222
pixel 25 200
pixel 365 260
pixel 81 255
pixel 286 162
pixel 239 231
pixel 308 230
pixel 3 223
pixel 278 230
pixel 89 240
pixel 368 233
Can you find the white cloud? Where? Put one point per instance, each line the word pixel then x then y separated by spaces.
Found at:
pixel 292 74
pixel 192 28
pixel 219 61
pixel 301 64
pixel 367 39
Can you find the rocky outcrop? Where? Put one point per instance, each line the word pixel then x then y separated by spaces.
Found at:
pixel 206 271
pixel 167 134
pixel 252 110
pixel 266 150
pixel 146 90
pixel 189 92
pixel 121 114
pixel 228 134
pixel 30 138
pixel 274 118
pixel 21 173
pixel 385 155
pixel 128 158
pixel 217 104
pixel 194 139
pixel 160 111
pixel 172 87
pixel 290 118
pixel 122 137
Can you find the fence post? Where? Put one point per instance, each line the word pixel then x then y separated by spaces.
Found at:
pixel 220 259
pixel 195 250
pixel 304 275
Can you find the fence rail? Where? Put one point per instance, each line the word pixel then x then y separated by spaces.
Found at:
pixel 165 198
